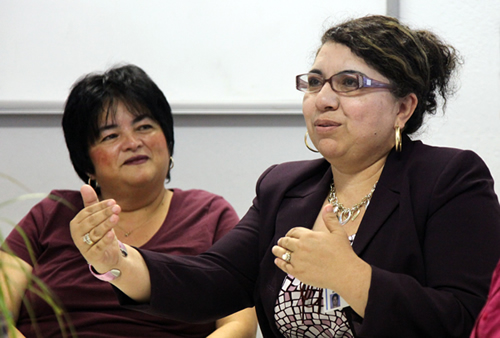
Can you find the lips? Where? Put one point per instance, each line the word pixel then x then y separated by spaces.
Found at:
pixel 326 123
pixel 136 160
pixel 325 127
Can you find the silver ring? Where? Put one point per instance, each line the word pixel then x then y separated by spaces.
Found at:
pixel 87 240
pixel 287 256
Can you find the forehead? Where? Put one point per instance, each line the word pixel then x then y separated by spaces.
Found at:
pixel 333 58
pixel 117 110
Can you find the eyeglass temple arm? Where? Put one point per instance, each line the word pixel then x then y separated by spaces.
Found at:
pixel 367 82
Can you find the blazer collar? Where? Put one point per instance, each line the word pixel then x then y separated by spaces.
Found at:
pixel 386 198
pixel 309 194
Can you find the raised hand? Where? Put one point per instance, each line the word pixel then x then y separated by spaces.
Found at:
pixel 325 259
pixel 316 257
pixel 92 231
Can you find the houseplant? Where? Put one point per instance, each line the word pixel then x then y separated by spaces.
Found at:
pixel 34 285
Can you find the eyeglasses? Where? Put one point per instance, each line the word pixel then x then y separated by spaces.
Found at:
pixel 343 82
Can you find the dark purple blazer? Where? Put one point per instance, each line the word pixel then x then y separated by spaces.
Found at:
pixel 431 235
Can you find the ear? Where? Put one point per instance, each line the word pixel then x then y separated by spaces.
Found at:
pixel 407 106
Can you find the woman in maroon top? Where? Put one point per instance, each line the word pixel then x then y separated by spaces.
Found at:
pixel 488 322
pixel 119 132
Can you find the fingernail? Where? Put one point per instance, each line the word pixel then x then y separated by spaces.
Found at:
pixel 110 203
pixel 329 208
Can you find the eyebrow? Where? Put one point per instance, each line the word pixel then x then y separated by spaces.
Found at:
pixel 348 71
pixel 114 125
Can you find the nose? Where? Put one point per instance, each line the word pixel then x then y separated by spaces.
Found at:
pixel 327 99
pixel 131 141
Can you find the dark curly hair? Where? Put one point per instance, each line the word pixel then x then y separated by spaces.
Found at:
pixel 96 94
pixel 415 61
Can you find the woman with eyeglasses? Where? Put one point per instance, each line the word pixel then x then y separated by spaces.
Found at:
pixel 406 234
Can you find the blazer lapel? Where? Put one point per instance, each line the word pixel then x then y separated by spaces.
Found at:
pixel 306 200
pixel 383 203
pixel 385 198
pixel 298 208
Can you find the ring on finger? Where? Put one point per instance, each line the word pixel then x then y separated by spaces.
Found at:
pixel 87 240
pixel 287 256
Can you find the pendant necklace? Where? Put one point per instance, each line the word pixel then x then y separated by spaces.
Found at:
pixel 345 214
pixel 128 233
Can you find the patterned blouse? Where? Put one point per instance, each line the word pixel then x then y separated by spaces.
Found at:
pixel 299 312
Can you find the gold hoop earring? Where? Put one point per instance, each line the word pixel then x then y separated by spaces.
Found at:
pixel 399 140
pixel 89 182
pixel 307 144
pixel 171 162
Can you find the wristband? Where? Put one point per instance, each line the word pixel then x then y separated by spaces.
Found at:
pixel 106 277
pixel 113 273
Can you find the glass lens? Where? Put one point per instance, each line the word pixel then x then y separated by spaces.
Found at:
pixel 314 82
pixel 346 82
pixel 301 82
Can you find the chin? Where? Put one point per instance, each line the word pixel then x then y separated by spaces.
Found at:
pixel 330 154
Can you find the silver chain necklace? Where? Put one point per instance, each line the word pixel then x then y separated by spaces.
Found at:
pixel 345 214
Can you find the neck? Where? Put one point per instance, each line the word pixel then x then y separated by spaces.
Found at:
pixel 142 214
pixel 351 186
pixel 132 198
pixel 354 168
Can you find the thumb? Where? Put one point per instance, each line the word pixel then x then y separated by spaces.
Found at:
pixel 89 195
pixel 330 219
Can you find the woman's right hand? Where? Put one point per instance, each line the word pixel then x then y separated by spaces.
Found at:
pixel 92 231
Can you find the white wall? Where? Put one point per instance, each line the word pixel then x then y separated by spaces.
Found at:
pixel 198 51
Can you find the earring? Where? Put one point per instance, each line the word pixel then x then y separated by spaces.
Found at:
pixel 89 182
pixel 399 140
pixel 171 162
pixel 307 144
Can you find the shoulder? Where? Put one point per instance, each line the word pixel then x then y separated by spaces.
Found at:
pixel 73 196
pixel 442 155
pixel 432 160
pixel 196 199
pixel 195 196
pixel 290 173
pixel 292 179
pixel 61 200
pixel 421 160
pixel 43 223
pixel 438 174
pixel 188 207
pixel 426 171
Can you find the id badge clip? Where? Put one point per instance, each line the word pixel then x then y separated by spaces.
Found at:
pixel 333 301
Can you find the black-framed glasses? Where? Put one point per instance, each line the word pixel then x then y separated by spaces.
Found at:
pixel 343 82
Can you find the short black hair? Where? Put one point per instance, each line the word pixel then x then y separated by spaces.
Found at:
pixel 98 93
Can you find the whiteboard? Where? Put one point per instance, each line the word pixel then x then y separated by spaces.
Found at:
pixel 200 53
